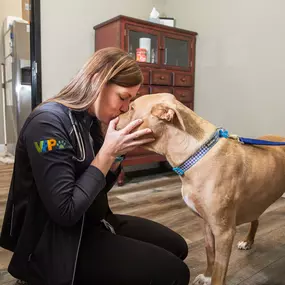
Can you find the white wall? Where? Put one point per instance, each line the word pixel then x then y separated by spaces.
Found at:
pixel 68 35
pixel 7 8
pixel 240 68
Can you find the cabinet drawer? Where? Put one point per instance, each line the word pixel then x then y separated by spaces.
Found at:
pixel 183 79
pixel 144 90
pixel 159 77
pixel 189 105
pixel 161 89
pixel 184 94
pixel 145 73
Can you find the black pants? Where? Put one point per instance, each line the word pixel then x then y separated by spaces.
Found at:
pixel 141 252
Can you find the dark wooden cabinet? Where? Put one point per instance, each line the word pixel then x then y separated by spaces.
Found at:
pixel 170 66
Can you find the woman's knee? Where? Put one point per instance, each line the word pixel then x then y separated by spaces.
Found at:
pixel 180 275
pixel 181 247
pixel 184 275
pixel 176 244
pixel 184 249
pixel 174 270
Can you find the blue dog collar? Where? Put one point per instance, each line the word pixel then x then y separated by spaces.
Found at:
pixel 201 152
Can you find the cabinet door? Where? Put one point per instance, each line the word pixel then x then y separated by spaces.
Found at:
pixel 138 37
pixel 177 51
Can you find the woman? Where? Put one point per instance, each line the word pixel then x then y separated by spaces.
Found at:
pixel 58 222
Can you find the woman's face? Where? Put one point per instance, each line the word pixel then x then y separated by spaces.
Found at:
pixel 112 101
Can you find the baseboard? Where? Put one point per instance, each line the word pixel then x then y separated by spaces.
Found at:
pixel 11 148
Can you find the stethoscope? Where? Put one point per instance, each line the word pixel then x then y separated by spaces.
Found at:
pixel 79 139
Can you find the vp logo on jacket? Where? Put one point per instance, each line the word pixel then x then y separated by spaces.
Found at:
pixel 51 144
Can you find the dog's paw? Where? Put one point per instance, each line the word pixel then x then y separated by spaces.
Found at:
pixel 244 245
pixel 202 280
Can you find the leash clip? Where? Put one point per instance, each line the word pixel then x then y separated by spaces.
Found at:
pixel 236 138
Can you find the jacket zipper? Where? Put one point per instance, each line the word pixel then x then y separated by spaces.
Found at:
pixel 12 220
pixel 77 252
pixel 106 223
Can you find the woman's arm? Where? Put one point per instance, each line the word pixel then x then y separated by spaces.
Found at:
pixel 65 196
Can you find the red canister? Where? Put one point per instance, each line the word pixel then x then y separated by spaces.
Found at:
pixel 141 54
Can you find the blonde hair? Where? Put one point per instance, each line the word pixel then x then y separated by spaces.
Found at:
pixel 106 66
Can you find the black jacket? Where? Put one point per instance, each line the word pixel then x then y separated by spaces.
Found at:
pixel 54 192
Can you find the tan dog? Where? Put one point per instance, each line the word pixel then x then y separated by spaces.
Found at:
pixel 231 185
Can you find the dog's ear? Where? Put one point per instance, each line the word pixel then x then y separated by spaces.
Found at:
pixel 168 113
pixel 163 112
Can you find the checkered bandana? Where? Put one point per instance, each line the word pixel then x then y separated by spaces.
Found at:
pixel 202 151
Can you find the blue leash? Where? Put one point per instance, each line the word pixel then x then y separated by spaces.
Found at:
pixel 225 134
pixel 259 142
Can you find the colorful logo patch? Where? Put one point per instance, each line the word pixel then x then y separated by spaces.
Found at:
pixel 51 144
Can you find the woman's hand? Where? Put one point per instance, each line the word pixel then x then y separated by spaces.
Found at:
pixel 117 143
pixel 120 142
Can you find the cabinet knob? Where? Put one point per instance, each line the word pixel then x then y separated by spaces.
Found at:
pixel 183 79
pixel 182 95
pixel 162 77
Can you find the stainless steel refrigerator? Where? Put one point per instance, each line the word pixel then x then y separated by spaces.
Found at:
pixel 17 79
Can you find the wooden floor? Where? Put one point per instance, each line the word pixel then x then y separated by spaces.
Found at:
pixel 263 265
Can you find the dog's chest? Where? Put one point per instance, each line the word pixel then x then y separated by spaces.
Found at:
pixel 190 201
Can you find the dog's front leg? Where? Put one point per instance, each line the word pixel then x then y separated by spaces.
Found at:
pixel 210 249
pixel 223 247
pixel 205 279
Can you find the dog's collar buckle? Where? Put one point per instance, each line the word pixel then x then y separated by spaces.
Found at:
pixel 201 152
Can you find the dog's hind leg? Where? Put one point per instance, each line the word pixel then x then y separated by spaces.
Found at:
pixel 205 279
pixel 249 240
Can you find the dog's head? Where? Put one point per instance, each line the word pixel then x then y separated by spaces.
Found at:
pixel 158 112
